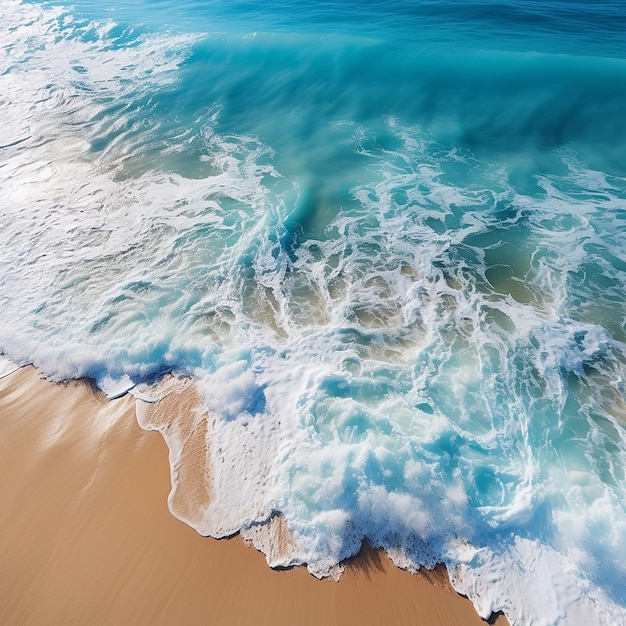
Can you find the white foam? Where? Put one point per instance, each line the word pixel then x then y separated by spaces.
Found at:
pixel 102 228
pixel 540 585
pixel 115 388
pixel 7 367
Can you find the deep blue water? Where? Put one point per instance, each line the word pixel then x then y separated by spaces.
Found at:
pixel 386 239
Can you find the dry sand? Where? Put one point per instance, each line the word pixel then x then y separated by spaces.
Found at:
pixel 86 536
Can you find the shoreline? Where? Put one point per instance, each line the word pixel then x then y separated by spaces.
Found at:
pixel 86 535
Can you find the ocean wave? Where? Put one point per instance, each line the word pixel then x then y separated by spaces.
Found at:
pixel 397 285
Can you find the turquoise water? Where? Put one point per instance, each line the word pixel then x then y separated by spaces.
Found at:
pixel 386 239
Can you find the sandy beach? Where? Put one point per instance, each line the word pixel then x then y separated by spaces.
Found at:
pixel 86 536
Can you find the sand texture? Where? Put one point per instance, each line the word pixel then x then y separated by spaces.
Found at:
pixel 86 536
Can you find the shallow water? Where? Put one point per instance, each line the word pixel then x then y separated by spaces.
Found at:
pixel 388 242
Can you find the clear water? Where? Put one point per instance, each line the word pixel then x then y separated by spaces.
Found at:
pixel 388 241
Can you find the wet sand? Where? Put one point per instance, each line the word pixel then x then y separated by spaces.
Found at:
pixel 86 536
